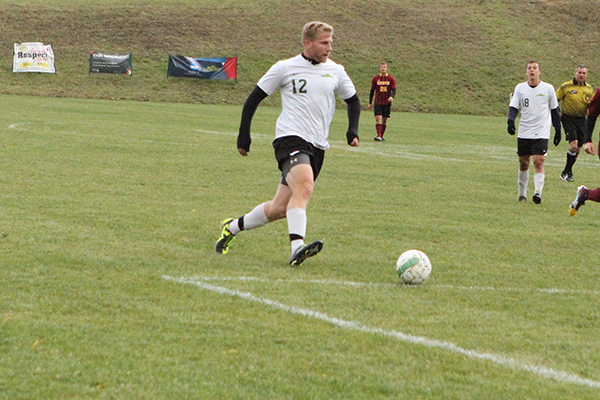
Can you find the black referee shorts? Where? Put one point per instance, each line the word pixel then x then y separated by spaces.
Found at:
pixel 574 128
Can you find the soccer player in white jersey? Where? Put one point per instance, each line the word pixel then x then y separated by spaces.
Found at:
pixel 308 84
pixel 539 112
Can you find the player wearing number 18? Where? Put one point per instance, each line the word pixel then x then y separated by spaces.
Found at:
pixel 539 112
pixel 308 84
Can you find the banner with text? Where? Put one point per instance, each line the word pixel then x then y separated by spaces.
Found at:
pixel 110 63
pixel 33 57
pixel 202 68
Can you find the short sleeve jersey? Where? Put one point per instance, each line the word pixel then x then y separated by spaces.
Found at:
pixel 535 105
pixel 307 96
pixel 383 86
pixel 575 98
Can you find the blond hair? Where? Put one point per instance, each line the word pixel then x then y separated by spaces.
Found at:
pixel 312 29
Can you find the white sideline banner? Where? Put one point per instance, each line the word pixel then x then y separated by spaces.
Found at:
pixel 33 57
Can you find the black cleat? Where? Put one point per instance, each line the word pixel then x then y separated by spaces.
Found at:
pixel 305 251
pixel 226 237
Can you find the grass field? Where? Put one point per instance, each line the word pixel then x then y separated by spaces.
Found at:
pixel 111 288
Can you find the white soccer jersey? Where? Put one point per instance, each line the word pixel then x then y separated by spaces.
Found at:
pixel 535 105
pixel 307 96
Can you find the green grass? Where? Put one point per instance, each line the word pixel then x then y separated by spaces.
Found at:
pixel 105 204
pixel 451 57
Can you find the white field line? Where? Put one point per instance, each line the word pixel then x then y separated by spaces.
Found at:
pixel 470 153
pixel 499 359
pixel 392 285
pixel 480 154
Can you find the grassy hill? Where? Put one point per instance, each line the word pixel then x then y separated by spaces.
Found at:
pixel 458 56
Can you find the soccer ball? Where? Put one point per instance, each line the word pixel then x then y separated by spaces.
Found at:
pixel 413 267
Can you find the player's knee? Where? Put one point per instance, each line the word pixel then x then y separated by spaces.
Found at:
pixel 305 189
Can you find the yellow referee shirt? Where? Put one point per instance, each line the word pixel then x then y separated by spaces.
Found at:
pixel 574 98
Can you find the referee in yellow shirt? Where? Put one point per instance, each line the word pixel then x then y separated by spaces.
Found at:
pixel 574 98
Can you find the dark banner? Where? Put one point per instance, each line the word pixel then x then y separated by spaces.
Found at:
pixel 110 63
pixel 202 68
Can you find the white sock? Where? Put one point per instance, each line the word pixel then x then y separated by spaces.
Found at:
pixel 296 244
pixel 523 181
pixel 296 218
pixel 255 218
pixel 538 180
pixel 234 228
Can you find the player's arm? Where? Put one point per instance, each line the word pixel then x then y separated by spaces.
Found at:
pixel 392 89
pixel 252 102
pixel 372 92
pixel 593 112
pixel 371 97
pixel 555 113
pixel 512 115
pixel 590 123
pixel 353 118
pixel 392 95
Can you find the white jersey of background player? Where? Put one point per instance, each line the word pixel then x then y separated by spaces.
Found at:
pixel 308 115
pixel 535 104
pixel 539 112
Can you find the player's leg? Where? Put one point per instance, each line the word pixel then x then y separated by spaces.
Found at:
pixel 574 132
pixel 523 176
pixel 301 184
pixel 383 126
pixel 378 122
pixel 300 176
pixel 583 194
pixel 575 145
pixel 538 177
pixel 524 153
pixel 538 149
pixel 261 215
pixel 385 114
pixel 570 136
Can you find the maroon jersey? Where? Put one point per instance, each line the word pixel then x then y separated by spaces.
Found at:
pixel 594 109
pixel 383 86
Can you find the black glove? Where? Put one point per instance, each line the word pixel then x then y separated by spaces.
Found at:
pixel 557 138
pixel 511 127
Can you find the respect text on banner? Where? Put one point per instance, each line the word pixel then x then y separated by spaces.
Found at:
pixel 33 57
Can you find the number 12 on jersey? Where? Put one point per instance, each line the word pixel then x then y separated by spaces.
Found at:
pixel 299 87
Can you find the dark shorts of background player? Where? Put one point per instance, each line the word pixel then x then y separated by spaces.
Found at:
pixel 384 111
pixel 305 153
pixel 532 147
pixel 574 128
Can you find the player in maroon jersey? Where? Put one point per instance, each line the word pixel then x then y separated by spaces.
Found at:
pixel 383 88
pixel 583 193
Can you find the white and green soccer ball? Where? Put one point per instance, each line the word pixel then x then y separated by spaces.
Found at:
pixel 413 267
